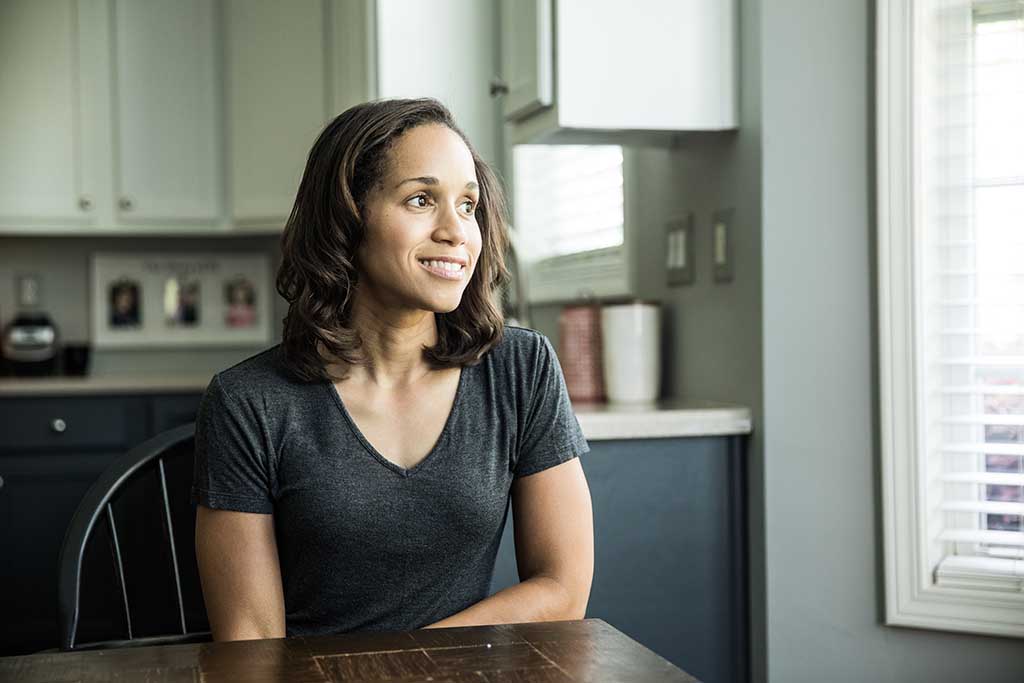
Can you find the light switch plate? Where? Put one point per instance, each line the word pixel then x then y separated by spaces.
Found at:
pixel 28 287
pixel 679 257
pixel 721 245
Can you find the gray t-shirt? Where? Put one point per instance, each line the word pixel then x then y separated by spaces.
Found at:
pixel 364 544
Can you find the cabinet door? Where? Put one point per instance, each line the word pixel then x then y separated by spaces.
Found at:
pixel 620 70
pixel 167 141
pixel 446 50
pixel 669 562
pixel 40 494
pixel 52 449
pixel 526 49
pixel 173 411
pixel 276 99
pixel 41 136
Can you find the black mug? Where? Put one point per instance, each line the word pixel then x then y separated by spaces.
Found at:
pixel 76 360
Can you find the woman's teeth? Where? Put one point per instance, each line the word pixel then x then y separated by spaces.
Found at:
pixel 444 265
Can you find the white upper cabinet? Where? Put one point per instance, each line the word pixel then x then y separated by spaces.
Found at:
pixel 526 56
pixel 645 65
pixel 166 112
pixel 277 102
pixel 42 141
pixel 197 116
pixel 444 49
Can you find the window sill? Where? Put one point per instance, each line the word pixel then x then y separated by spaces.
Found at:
pixel 981 573
pixel 574 277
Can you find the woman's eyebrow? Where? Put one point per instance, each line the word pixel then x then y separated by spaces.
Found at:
pixel 431 180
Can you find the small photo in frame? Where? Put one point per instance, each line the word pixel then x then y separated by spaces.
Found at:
pixel 240 300
pixel 124 304
pixel 182 302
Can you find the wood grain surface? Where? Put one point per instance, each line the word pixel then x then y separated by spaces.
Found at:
pixel 580 650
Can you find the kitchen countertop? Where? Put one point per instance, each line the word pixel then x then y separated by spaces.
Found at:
pixel 600 421
pixel 75 386
pixel 666 418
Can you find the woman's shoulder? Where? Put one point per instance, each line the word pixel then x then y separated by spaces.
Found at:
pixel 258 374
pixel 519 335
pixel 522 347
pixel 517 338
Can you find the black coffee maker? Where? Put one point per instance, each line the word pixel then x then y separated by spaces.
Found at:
pixel 30 346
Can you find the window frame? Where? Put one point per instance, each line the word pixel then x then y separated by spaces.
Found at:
pixel 986 602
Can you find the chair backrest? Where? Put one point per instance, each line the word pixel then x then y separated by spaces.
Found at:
pixel 128 572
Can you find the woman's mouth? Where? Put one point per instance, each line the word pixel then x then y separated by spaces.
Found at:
pixel 445 269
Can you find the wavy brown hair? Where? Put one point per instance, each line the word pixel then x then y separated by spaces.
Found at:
pixel 319 271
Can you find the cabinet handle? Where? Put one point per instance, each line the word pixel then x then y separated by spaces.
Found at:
pixel 498 87
pixel 125 204
pixel 58 426
pixel 1 482
pixel 84 203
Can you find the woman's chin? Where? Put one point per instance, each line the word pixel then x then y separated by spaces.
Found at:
pixel 445 304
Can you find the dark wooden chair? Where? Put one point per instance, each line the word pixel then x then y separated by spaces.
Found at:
pixel 128 573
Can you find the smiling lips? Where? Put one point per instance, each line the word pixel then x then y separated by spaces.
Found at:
pixel 446 269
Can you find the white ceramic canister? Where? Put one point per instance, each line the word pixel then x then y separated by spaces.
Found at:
pixel 631 351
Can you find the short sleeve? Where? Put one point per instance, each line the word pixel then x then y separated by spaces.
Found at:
pixel 231 469
pixel 552 434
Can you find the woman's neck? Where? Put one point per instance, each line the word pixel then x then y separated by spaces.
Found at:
pixel 393 343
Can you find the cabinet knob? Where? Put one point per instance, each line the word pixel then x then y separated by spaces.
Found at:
pixel 84 203
pixel 125 204
pixel 498 87
pixel 58 426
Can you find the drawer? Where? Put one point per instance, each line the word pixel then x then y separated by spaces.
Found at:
pixel 60 423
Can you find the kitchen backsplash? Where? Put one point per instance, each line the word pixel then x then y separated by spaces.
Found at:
pixel 62 267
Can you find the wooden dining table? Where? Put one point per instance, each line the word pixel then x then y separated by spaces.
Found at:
pixel 538 652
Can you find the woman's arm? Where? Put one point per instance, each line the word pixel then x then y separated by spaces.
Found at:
pixel 554 534
pixel 240 574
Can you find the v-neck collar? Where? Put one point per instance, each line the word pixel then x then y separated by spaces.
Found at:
pixel 369 447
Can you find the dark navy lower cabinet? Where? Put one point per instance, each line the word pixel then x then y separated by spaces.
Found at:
pixel 670 567
pixel 51 451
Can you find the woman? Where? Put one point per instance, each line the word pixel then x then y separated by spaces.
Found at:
pixel 358 475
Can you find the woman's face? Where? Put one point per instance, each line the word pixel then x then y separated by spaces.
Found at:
pixel 421 213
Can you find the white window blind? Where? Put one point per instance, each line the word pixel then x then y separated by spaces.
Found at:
pixel 568 198
pixel 970 291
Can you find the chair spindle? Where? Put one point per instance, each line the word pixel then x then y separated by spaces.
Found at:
pixel 169 525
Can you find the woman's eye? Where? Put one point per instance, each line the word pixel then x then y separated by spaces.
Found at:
pixel 472 206
pixel 417 198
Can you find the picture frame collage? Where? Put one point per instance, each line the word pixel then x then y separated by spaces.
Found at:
pixel 174 300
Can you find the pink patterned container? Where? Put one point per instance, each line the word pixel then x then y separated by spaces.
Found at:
pixel 579 352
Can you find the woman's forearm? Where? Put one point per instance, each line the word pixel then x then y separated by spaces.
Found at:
pixel 539 598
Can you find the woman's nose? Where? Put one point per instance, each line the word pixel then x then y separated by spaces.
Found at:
pixel 450 227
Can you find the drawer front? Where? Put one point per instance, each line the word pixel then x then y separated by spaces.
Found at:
pixel 59 423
